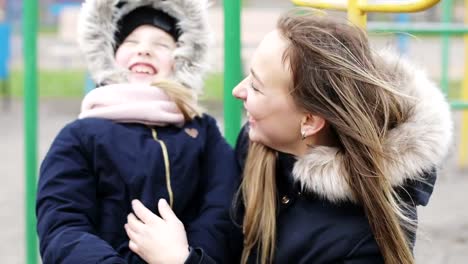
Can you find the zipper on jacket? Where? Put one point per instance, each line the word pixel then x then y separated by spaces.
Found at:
pixel 166 164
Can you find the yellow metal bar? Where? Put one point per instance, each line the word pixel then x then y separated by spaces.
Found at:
pixel 463 147
pixel 399 6
pixel 389 7
pixel 341 5
pixel 355 14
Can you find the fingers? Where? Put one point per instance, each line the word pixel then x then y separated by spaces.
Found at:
pixel 134 224
pixel 133 247
pixel 130 232
pixel 166 212
pixel 143 213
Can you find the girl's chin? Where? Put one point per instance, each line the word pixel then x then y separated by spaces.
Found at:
pixel 142 78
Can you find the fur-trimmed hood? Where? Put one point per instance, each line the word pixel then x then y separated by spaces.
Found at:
pixel 416 146
pixel 98 23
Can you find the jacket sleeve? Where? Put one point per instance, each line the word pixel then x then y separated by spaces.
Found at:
pixel 67 206
pixel 219 181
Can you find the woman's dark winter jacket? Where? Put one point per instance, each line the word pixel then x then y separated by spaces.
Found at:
pixel 96 167
pixel 319 220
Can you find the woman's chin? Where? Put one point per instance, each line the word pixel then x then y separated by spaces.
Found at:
pixel 253 136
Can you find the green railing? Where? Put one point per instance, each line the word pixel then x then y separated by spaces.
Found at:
pixel 232 68
pixel 30 10
pixel 424 29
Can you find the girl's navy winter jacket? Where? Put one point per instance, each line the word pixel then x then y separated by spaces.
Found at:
pixel 96 167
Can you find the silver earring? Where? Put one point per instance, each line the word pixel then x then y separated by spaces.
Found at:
pixel 303 134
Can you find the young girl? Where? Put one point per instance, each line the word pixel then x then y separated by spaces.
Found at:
pixel 339 149
pixel 139 142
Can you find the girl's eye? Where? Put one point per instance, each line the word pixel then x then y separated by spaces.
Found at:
pixel 163 45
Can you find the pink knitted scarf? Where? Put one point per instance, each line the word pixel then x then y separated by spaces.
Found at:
pixel 131 103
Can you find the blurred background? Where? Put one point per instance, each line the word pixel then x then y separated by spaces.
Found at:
pixel 62 82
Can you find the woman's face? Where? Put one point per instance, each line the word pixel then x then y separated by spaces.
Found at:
pixel 274 119
pixel 147 54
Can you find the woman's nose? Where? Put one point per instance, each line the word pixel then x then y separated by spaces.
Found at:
pixel 239 91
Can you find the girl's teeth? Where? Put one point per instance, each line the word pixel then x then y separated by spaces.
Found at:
pixel 142 69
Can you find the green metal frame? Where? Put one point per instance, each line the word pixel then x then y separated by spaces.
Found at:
pixel 232 68
pixel 425 29
pixel 459 105
pixel 30 16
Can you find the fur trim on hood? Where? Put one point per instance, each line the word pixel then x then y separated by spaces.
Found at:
pixel 98 23
pixel 416 146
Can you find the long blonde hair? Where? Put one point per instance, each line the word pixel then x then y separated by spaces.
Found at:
pixel 184 98
pixel 334 76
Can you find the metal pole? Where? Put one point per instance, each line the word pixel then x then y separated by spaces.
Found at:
pixel 30 18
pixel 363 6
pixel 463 147
pixel 400 7
pixel 232 68
pixel 355 14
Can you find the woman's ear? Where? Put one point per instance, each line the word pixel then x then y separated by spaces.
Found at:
pixel 311 125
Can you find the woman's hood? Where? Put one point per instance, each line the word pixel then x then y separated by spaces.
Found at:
pixel 98 24
pixel 416 146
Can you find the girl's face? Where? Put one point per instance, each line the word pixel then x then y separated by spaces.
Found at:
pixel 147 53
pixel 274 119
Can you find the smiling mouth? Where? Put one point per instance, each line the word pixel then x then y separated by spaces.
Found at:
pixel 143 68
pixel 250 118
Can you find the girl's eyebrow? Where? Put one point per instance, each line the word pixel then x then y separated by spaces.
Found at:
pixel 256 76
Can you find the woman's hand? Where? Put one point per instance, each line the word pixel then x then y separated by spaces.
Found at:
pixel 157 239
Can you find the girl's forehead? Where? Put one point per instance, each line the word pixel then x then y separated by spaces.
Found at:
pixel 149 31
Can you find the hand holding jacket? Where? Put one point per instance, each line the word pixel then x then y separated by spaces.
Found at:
pixel 149 232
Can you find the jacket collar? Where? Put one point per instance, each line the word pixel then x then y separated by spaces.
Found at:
pixel 415 147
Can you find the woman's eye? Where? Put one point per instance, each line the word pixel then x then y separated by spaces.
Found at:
pixel 253 87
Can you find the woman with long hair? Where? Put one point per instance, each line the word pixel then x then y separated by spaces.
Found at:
pixel 341 145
